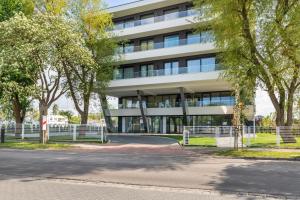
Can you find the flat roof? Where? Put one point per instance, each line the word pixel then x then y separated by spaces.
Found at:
pixel 141 6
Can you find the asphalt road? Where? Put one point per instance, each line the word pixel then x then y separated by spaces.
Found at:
pixel 166 173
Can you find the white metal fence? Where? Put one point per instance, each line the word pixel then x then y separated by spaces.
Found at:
pixel 72 132
pixel 247 136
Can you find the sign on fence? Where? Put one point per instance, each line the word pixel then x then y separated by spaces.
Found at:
pixel 44 123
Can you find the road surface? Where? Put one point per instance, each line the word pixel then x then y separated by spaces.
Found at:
pixel 142 173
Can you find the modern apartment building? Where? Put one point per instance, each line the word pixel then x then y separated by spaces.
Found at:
pixel 169 75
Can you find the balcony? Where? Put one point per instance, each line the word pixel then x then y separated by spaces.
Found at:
pixel 166 50
pixel 167 72
pixel 155 25
pixel 209 110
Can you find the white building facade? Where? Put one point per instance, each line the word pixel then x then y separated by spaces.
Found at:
pixel 169 75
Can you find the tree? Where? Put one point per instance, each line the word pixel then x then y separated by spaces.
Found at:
pixel 55 109
pixel 259 44
pixel 8 8
pixel 14 83
pixel 93 22
pixel 67 114
pixel 43 45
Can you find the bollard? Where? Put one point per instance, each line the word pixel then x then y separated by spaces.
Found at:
pixel 2 134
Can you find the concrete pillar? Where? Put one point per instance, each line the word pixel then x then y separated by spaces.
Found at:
pixel 164 124
pixel 183 105
pixel 123 125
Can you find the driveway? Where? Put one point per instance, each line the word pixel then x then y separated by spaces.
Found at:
pixel 141 140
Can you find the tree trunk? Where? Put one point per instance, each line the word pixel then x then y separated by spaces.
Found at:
pixel 84 117
pixel 19 115
pixel 106 114
pixel 285 128
pixel 43 108
pixel 285 133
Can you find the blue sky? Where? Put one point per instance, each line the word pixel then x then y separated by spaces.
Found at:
pixel 117 2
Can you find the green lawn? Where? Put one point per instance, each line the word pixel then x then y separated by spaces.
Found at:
pixel 195 141
pixel 258 154
pixel 33 145
pixel 267 140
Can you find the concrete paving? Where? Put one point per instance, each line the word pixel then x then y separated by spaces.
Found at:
pixel 36 189
pixel 169 167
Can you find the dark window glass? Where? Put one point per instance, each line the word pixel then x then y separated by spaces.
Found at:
pixel 128 72
pixel 118 74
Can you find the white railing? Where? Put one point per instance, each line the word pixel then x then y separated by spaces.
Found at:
pixel 246 136
pixel 56 132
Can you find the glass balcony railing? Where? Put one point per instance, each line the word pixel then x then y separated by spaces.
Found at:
pixel 168 72
pixel 135 105
pixel 208 38
pixel 151 20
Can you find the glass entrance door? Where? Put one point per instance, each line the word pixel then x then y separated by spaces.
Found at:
pixel 174 124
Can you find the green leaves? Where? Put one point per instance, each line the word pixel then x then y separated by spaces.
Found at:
pixel 259 44
pixel 8 8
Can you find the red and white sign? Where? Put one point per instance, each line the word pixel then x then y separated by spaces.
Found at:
pixel 44 123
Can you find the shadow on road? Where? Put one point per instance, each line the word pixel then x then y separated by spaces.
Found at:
pixel 271 177
pixel 69 164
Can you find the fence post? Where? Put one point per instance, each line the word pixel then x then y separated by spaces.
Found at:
pixel 248 136
pixel 185 136
pixel 74 132
pixel 48 130
pixel 102 134
pixel 278 136
pixel 2 128
pixel 217 134
pixel 230 135
pixel 23 132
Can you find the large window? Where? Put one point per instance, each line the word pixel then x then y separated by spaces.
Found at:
pixel 147 45
pixel 128 72
pixel 171 14
pixel 193 65
pixel 191 11
pixel 208 64
pixel 146 70
pixel 147 19
pixel 118 74
pixel 129 23
pixel 128 47
pixel 171 41
pixel 171 68
pixel 215 99
pixel 193 38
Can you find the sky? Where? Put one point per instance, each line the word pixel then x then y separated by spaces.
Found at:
pixel 263 103
pixel 117 2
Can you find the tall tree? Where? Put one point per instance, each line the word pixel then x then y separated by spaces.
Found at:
pixel 93 22
pixel 14 84
pixel 43 45
pixel 260 45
